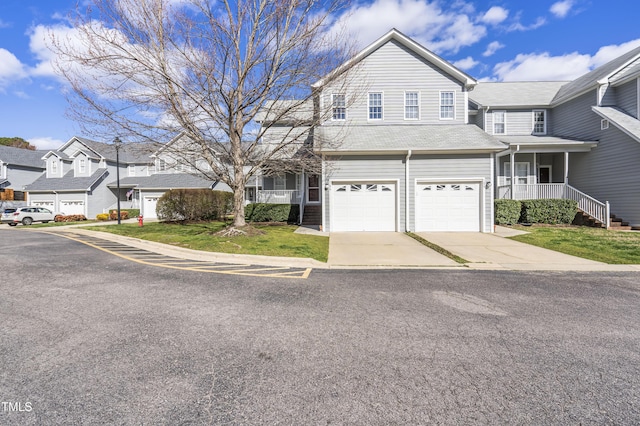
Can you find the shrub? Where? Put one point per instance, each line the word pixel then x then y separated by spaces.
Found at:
pixel 102 216
pixel 260 212
pixel 507 212
pixel 123 214
pixel 70 218
pixel 551 211
pixel 194 205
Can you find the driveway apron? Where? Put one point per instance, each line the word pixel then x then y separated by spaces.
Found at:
pixel 392 249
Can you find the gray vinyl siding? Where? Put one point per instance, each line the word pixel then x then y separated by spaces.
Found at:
pixel 392 70
pixel 453 167
pixel 575 119
pixel 627 98
pixel 363 168
pixel 607 173
pixel 18 177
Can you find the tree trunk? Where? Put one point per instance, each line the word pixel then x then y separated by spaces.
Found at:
pixel 238 203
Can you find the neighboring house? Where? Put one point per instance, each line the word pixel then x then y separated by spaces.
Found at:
pixel 81 178
pixel 18 168
pixel 577 139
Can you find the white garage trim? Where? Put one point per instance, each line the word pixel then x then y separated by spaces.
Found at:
pixel 47 204
pixel 334 212
pixel 447 184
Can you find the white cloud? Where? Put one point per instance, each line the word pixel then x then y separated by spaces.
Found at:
pixel 441 30
pixel 11 69
pixel 46 143
pixel 561 9
pixel 466 63
pixel 4 24
pixel 544 67
pixel 518 26
pixel 495 15
pixel 492 48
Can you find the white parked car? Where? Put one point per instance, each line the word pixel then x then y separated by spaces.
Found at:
pixel 28 215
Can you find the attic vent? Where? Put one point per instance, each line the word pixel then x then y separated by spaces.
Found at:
pixel 604 124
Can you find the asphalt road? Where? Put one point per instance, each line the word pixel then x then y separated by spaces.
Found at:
pixel 91 338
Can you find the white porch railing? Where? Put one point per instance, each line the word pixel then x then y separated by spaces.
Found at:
pixel 134 204
pixel 280 196
pixel 586 203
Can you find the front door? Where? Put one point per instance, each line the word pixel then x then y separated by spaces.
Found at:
pixel 313 189
pixel 544 174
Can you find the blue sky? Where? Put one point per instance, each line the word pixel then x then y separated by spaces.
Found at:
pixel 511 40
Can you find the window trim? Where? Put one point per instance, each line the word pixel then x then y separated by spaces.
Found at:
pixel 504 122
pixel 334 107
pixel 131 169
pixel 417 105
pixel 507 169
pixel 82 165
pixel 441 105
pixel 544 122
pixel 369 106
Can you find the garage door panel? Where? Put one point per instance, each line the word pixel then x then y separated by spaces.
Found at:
pixel 150 204
pixel 72 207
pixel 448 206
pixel 363 206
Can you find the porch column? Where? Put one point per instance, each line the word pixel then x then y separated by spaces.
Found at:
pixel 566 168
pixel 512 158
pixel 535 168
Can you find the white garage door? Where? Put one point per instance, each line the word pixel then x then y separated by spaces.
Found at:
pixel 45 204
pixel 448 207
pixel 363 206
pixel 149 207
pixel 70 207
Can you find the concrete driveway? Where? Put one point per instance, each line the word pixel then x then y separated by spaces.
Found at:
pixel 494 251
pixel 391 249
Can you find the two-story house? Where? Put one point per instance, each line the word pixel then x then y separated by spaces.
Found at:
pixel 398 152
pixel 18 168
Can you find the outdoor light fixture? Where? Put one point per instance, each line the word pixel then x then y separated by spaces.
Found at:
pixel 117 142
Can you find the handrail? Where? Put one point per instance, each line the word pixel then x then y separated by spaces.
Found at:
pixel 586 203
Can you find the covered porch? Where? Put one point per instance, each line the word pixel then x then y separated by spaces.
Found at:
pixel 540 166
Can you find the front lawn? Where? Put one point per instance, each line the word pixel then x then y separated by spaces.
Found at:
pixel 613 247
pixel 275 241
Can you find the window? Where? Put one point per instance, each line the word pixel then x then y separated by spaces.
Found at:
pixel 499 122
pixel 411 106
pixel 604 124
pixel 82 166
pixel 339 107
pixel 54 166
pixel 280 182
pixel 447 106
pixel 539 122
pixel 162 165
pixel 521 172
pixel 132 170
pixel 375 106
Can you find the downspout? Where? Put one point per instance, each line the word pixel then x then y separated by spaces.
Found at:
pixel 406 191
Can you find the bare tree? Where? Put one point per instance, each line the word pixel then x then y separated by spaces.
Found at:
pixel 209 70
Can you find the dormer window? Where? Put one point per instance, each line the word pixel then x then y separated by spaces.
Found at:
pixel 82 166
pixel 54 166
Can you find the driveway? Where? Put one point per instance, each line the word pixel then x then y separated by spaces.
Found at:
pixel 393 249
pixel 494 251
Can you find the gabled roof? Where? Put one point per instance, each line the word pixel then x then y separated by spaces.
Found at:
pixel 21 157
pixel 620 119
pixel 593 79
pixel 128 153
pixel 441 138
pixel 67 183
pixel 529 94
pixel 410 44
pixel 164 181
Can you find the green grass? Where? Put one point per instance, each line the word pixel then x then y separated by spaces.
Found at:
pixel 276 240
pixel 613 247
pixel 437 248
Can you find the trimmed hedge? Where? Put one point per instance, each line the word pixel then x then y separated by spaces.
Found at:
pixel 102 216
pixel 194 205
pixel 70 218
pixel 507 212
pixel 261 212
pixel 113 215
pixel 552 211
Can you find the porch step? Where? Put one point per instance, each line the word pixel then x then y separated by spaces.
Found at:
pixel 312 215
pixel 617 224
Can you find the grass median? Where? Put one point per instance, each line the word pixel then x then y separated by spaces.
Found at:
pixel 269 240
pixel 613 247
